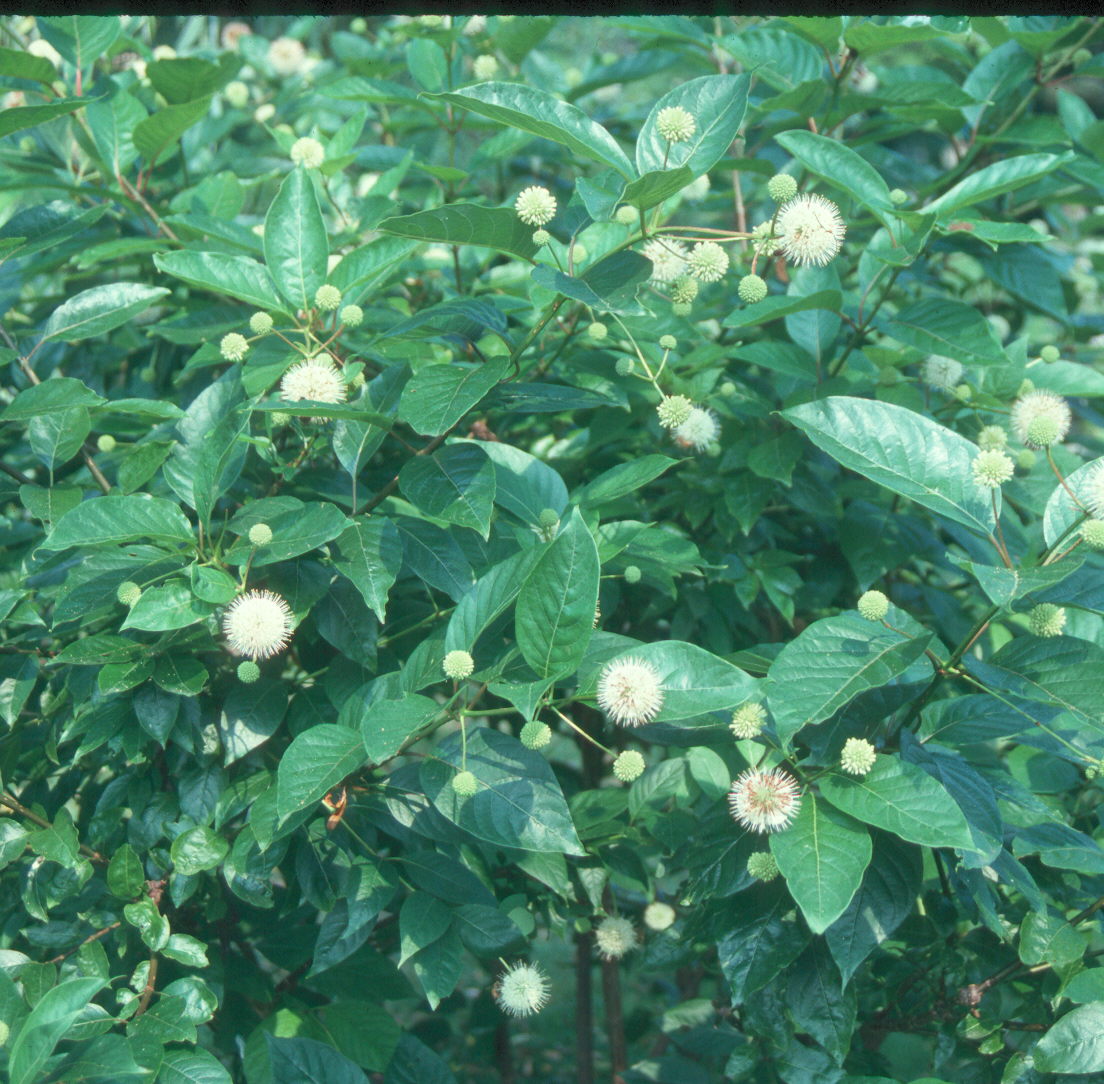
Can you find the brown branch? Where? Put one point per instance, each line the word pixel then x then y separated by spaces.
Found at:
pixel 388 489
pixel 584 1011
pixel 17 807
pixel 147 991
pixel 88 940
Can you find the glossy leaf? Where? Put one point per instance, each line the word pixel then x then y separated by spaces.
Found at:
pixel 119 519
pixel 386 725
pixel 498 228
pixel 315 762
pixel 455 484
pixel 96 311
pixel 235 276
pixel 996 179
pixel 948 328
pixel 369 552
pixel 27 116
pixel 295 243
pixel 48 1022
pixel 158 132
pixel 438 396
pixel 1075 1044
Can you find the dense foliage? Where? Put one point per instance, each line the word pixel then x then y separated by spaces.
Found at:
pixel 547 548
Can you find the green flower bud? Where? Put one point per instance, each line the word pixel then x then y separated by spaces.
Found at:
pixel 535 734
pixel 626 215
pixel 541 238
pixel 1050 354
pixel 1092 533
pixel 260 323
pixel 781 187
pixel 873 605
pixel 668 342
pixel 624 366
pixel 752 289
pixel 1046 619
pixel 106 443
pixel 260 534
pixel 680 309
pixel 597 331
pixel 898 196
pixel 728 389
pixel 351 316
pixel 632 574
pixel 128 593
pixel 465 784
pixel 762 866
pixel 248 672
pixel 233 347
pixel 327 298
pixel 628 766
pixel 458 665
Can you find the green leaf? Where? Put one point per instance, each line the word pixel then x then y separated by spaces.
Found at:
pixel 119 519
pixel 830 663
pixel 519 804
pixel 27 116
pixel 315 762
pixel 993 180
pixel 250 715
pixel 622 480
pixel 81 39
pixel 55 438
pixel 609 285
pixel 183 79
pixel 367 266
pixel 57 393
pixel 758 944
pixel 456 484
pixel 198 849
pixel 901 798
pixel 1075 1044
pixel 940 325
pixel 656 186
pixel 427 62
pixel 1061 512
pixel 196 1066
pixel 540 114
pixel 306 1061
pixel 21 65
pixel 822 855
pixel 234 276
pixel 99 649
pixel 186 950
pixel 157 133
pixel 901 450
pixel 717 103
pixel 385 725
pixel 295 244
pixel 369 552
pixel 498 228
pixel 438 396
pixel 422 920
pixel 181 674
pixel 555 607
pixel 774 308
pixel 295 531
pixel 169 606
pixel 125 876
pixel 49 224
pixel 98 310
pixel 49 1020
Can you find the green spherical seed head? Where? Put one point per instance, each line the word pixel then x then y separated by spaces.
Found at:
pixel 752 289
pixel 898 196
pixel 248 672
pixel 541 238
pixel 762 866
pixel 233 347
pixel 1092 533
pixel 465 784
pixel 627 215
pixel 1046 619
pixel 629 765
pixel 624 366
pixel 260 534
pixel 888 376
pixel 668 342
pixel 781 187
pixel 1042 432
pixel 963 393
pixel 351 316
pixel 632 574
pixel 1081 57
pixel 327 297
pixel 684 289
pixel 680 309
pixel 597 331
pixel 106 443
pixel 128 593
pixel 260 323
pixel 673 410
pixel 728 389
pixel 1050 354
pixel 548 517
pixel 873 605
pixel 535 734
pixel 1025 460
pixel 713 449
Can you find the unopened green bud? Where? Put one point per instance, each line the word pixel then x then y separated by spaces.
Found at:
pixel 1050 354
pixel 128 593
pixel 260 323
pixel 668 342
pixel 597 331
pixel 873 605
pixel 632 574
pixel 327 298
pixel 548 517
pixel 458 665
pixel 898 196
pixel 541 238
pixel 680 309
pixel 781 187
pixel 248 672
pixel 106 443
pixel 352 316
pixel 752 289
pixel 465 784
pixel 535 734
pixel 628 766
pixel 627 215
pixel 260 534
pixel 624 366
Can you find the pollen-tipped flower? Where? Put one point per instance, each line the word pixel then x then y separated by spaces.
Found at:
pixel 308 152
pixel 992 438
pixel 707 261
pixel 748 720
pixel 257 624
pixel 1040 418
pixel 535 734
pixel 764 801
pixel 615 936
pixel 458 665
pixel 942 373
pixel 810 230
pixel 629 692
pixel 465 784
pixel 327 297
pixel 317 379
pixel 668 258
pixel 260 323
pixel 260 534
pixel 233 347
pixel 659 916
pixel 857 756
pixel 1092 533
pixel 106 443
pixel 597 331
pixel 128 593
pixel 286 55
pixel 700 429
pixel 873 605
pixel 675 124
pixel 627 215
pixel 522 989
pixel 248 672
pixel 628 766
pixel 992 469
pixel 535 206
pixel 752 289
pixel 684 289
pixel 1046 619
pixel 781 187
pixel 762 866
pixel 673 410
pixel 351 316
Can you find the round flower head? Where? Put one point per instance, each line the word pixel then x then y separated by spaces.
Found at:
pixel 698 431
pixel 668 342
pixel 628 766
pixel 1046 619
pixel 673 410
pixel 629 692
pixel 164 52
pixel 232 33
pixel 675 124
pixel 623 366
pixel 659 916
pixel 963 393
pixel 248 672
pixel 1040 418
pixel 522 989
pixel 237 94
pixel 128 593
pixel 897 196
pixel 762 866
pixel 810 230
pixel 260 534
pixel 475 25
pixel 873 605
pixel 684 289
pixel 541 238
pixel 668 258
pixel 858 756
pixel 317 379
pixel 627 215
pixel 327 297
pixel 106 443
pixel 992 468
pixel 763 240
pixel 992 437
pixel 1092 533
pixel 708 261
pixel 260 323
pixel 942 373
pixel 352 316
pixel 748 720
pixel 233 347
pixel 536 206
pixel 535 734
pixel 764 801
pixel 1050 353
pixel 632 574
pixel 781 187
pixel 484 67
pixel 262 115
pixel 615 936
pixel 458 665
pixel 752 289
pixel 308 152
pixel 257 624
pixel 286 55
pixel 597 331
pixel 465 784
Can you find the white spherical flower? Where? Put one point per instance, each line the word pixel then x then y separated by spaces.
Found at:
pixel 40 47
pixel 484 67
pixel 286 55
pixel 264 113
pixel 1040 418
pixel 237 94
pixel 764 801
pixel 708 262
pixel 535 206
pixel 615 936
pixel 992 468
pixel 699 430
pixel 233 347
pixel 317 379
pixel 629 692
pixel 308 152
pixel 942 373
pixel 659 916
pixel 858 756
pixel 257 624
pixel 522 989
pixel 673 411
pixel 810 230
pixel 675 124
pixel 668 258
pixel 476 24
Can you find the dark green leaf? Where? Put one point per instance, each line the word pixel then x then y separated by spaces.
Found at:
pixel 1075 1044
pixel 993 180
pixel 198 849
pixel 295 244
pixel 168 606
pixel 49 1020
pixel 306 1061
pixel 157 133
pixel 57 393
pixel 385 725
pixel 125 876
pixel 234 276
pixel 467 224
pixel 438 396
pixel 455 484
pixel 95 311
pixel 949 328
pixel 315 762
pixel 27 116
pixel 119 519
pixel 369 552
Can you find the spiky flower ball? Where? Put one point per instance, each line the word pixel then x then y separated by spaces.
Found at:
pixel 748 720
pixel 522 989
pixel 458 665
pixel 810 230
pixel 286 55
pixel 308 153
pixel 597 331
pixel 484 67
pixel 106 443
pixel 128 593
pixel 764 801
pixel 1050 354
pixel 1092 533
pixel 781 187
pixel 327 297
pixel 668 342
pixel 351 316
pixel 248 672
pixel 857 756
pixel 1046 619
pixel 317 379
pixel 465 784
pixel 873 605
pixel 942 373
pixel 632 574
pixel 992 469
pixel 762 866
pixel 541 238
pixel 668 258
pixel 1040 418
pixel 708 262
pixel 673 410
pixel 260 323
pixel 615 936
pixel 684 289
pixel 260 534
pixel 629 765
pixel 675 124
pixel 257 624
pixel 233 347
pixel 699 431
pixel 624 366
pixel 752 289
pixel 627 215
pixel 629 692
pixel 659 916
pixel 535 734
pixel 992 438
pixel 535 206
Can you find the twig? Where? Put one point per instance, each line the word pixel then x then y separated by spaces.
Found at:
pixel 88 940
pixel 17 807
